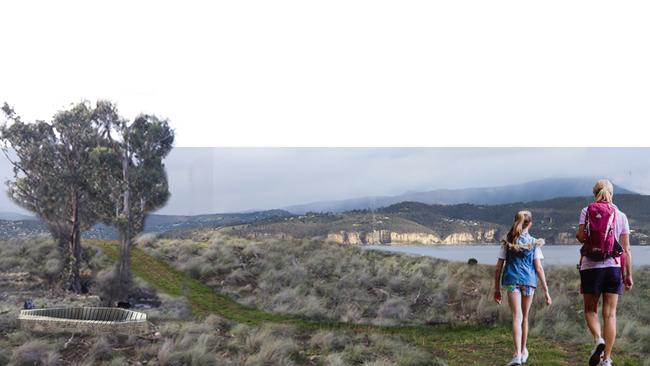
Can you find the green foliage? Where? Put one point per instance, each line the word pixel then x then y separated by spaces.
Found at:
pixel 50 176
pixel 87 165
pixel 130 179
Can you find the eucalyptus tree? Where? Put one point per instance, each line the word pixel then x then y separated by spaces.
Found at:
pixel 132 180
pixel 51 166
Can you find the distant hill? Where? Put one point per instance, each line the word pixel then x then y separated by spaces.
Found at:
pixel 538 190
pixel 411 222
pixel 153 224
pixel 4 215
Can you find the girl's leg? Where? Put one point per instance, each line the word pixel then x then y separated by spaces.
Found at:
pixel 526 301
pixel 610 301
pixel 591 314
pixel 514 299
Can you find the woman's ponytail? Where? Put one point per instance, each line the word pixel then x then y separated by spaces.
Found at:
pixel 522 220
pixel 604 191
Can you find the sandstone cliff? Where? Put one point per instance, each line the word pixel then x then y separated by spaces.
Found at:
pixel 390 237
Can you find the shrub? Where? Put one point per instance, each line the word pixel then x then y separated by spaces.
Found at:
pixel 274 351
pixel 34 352
pixel 5 354
pixel 394 308
pixel 146 239
pixel 101 349
pixel 328 341
pixel 335 359
pixel 105 285
pixel 165 352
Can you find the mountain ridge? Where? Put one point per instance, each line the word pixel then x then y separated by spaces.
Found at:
pixel 541 189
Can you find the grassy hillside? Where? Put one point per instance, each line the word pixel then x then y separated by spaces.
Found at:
pixel 215 308
pixel 314 225
pixel 191 332
pixel 315 280
pixel 468 345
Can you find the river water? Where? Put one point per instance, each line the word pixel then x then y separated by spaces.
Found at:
pixel 487 254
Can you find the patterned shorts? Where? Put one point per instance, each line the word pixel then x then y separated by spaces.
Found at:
pixel 523 289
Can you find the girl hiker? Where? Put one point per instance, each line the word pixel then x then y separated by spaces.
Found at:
pixel 605 267
pixel 520 261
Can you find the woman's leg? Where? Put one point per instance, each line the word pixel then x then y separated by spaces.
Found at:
pixel 526 301
pixel 591 314
pixel 514 299
pixel 610 301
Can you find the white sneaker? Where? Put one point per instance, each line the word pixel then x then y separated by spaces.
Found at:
pixel 516 361
pixel 524 356
pixel 597 353
pixel 606 362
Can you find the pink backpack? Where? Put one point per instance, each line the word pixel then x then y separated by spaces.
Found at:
pixel 600 240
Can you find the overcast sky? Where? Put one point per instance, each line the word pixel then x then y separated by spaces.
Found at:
pixel 210 180
pixel 346 73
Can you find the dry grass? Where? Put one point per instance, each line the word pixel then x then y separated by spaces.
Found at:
pixel 183 340
pixel 324 281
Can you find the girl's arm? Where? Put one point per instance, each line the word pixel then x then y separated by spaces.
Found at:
pixel 497 281
pixel 542 277
pixel 624 240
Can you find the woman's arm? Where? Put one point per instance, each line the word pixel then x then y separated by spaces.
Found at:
pixel 580 235
pixel 624 240
pixel 542 278
pixel 497 281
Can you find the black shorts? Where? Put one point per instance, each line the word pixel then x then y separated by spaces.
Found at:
pixel 601 280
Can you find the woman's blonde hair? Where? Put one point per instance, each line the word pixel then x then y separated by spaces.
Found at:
pixel 521 222
pixel 604 191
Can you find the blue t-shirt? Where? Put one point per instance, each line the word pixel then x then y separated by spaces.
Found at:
pixel 520 266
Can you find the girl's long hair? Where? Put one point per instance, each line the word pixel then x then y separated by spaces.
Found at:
pixel 522 220
pixel 603 191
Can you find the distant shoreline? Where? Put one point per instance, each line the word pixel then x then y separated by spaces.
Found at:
pixel 558 254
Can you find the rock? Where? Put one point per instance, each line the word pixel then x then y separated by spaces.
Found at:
pixel 423 238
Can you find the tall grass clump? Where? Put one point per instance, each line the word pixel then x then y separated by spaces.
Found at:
pixel 35 352
pixel 41 258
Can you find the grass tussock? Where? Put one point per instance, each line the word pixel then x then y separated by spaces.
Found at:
pixel 40 257
pixel 35 352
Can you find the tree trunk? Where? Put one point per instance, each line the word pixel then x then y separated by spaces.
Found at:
pixel 124 269
pixel 124 266
pixel 67 259
pixel 75 247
